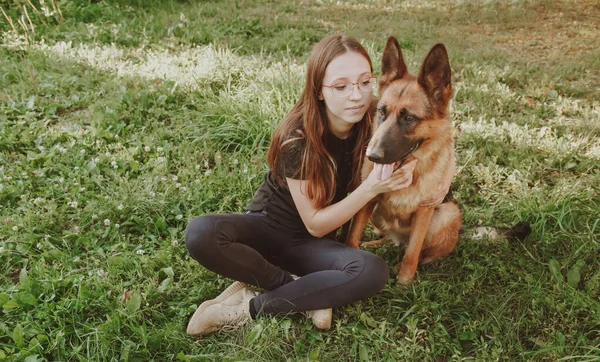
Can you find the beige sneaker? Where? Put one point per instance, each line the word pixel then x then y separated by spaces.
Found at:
pixel 227 311
pixel 321 318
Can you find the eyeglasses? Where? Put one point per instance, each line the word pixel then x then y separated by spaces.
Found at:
pixel 365 85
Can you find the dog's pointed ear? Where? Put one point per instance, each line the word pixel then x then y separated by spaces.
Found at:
pixel 435 77
pixel 392 64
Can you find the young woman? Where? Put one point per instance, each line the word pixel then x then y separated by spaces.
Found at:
pixel 313 187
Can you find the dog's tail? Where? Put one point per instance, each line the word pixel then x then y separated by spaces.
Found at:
pixel 518 232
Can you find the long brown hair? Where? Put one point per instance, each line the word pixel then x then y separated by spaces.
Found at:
pixel 308 120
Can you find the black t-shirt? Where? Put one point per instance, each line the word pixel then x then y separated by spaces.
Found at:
pixel 276 201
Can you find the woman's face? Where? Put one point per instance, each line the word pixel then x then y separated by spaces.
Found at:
pixel 344 112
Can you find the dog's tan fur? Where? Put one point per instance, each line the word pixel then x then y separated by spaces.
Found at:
pixel 428 232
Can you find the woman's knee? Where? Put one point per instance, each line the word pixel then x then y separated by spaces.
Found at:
pixel 199 234
pixel 375 274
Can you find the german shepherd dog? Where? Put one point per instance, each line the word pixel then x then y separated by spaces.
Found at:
pixel 412 122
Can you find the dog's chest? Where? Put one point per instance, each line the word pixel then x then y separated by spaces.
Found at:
pixel 394 212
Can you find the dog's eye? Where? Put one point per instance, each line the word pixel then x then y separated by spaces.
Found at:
pixel 381 113
pixel 409 119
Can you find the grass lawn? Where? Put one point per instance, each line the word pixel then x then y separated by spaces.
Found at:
pixel 122 120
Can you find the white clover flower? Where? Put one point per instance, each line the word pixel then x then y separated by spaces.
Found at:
pixel 73 204
pixel 175 178
pixel 41 148
pixel 152 193
pixel 94 217
pixel 207 172
pixel 46 237
pixel 179 217
pixel 245 169
pixel 159 149
pixel 107 154
pixel 120 207
pixel 147 148
pixel 198 167
pixel 15 228
pixel 183 189
pixel 205 163
pixel 76 229
pixel 235 162
pixel 62 149
pixel 97 159
pixel 61 180
pixel 75 183
pixel 82 151
pixel 82 189
pixel 106 222
pixel 197 181
pixel 117 226
pixel 161 159
pixel 140 252
pixel 163 178
pixel 113 163
pixel 174 242
pixel 1 249
pixel 39 245
pixel 178 185
pixel 102 273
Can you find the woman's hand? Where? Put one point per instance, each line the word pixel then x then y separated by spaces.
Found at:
pixel 443 187
pixel 401 178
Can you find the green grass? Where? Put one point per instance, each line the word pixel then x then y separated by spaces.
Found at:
pixel 121 120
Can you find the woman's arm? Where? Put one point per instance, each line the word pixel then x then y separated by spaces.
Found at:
pixel 320 222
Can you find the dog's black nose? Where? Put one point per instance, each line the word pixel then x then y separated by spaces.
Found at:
pixel 375 155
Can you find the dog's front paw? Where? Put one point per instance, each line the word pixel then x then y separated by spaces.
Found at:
pixel 404 279
pixel 405 275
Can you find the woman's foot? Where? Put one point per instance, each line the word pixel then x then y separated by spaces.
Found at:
pixel 227 311
pixel 321 318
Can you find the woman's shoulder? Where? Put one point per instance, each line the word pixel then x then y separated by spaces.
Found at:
pixel 295 141
pixel 291 155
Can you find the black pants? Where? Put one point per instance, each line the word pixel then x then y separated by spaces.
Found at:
pixel 254 249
